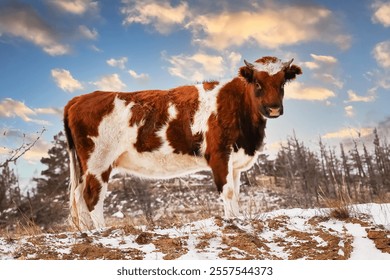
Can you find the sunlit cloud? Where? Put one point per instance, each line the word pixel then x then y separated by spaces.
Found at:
pixel 139 77
pixel 381 13
pixel 381 54
pixel 324 58
pixel 297 90
pixel 10 108
pixel 65 80
pixel 349 111
pixel 160 14
pixel 110 82
pixel 259 24
pixel 348 133
pixel 262 26
pixel 202 66
pixel 354 97
pixel 197 67
pixel 77 7
pixel 120 62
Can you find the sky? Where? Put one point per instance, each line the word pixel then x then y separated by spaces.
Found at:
pixel 54 50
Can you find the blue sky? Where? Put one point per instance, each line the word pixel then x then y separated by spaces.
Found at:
pixel 53 50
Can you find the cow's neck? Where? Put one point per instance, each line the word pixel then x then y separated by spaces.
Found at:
pixel 251 122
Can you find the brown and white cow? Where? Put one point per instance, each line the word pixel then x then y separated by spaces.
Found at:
pixel 168 133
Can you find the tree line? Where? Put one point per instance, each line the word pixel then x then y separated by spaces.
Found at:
pixel 360 173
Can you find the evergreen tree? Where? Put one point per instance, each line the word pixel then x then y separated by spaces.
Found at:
pixel 55 178
pixel 49 204
pixel 9 188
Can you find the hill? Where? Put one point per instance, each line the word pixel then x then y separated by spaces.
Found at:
pixel 281 234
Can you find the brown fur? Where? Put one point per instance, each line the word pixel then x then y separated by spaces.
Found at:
pixel 210 85
pixel 91 191
pixel 267 59
pixel 83 114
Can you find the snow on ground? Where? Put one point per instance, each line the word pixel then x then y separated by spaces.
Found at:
pixel 281 234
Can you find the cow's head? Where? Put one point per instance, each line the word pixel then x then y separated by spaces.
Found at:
pixel 267 77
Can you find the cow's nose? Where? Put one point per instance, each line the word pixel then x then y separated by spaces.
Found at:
pixel 274 111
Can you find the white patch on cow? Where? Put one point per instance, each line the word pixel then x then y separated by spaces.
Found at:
pixel 207 107
pixel 114 136
pixel 230 192
pixel 242 161
pixel 166 148
pixel 270 68
pixel 172 112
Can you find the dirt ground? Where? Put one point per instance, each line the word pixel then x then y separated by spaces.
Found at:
pixel 272 238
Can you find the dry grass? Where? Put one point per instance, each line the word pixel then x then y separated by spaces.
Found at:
pixel 338 207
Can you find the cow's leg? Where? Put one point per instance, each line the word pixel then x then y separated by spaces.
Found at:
pixel 90 200
pixel 222 167
pixel 81 216
pixel 97 213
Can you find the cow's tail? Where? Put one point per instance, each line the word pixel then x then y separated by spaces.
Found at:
pixel 74 167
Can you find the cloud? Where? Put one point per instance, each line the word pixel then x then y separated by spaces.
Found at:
pixel 120 62
pixel 160 14
pixel 381 13
pixel 234 59
pixel 88 33
pixel 76 7
pixel 353 97
pixel 110 82
pixel 329 78
pixel 96 49
pixel 297 90
pixel 49 111
pixel 380 78
pixel 349 111
pixel 10 108
pixel 65 80
pixel 37 152
pixel 349 133
pixel 311 65
pixel 20 20
pixel 381 54
pixel 140 77
pixel 13 138
pixel 324 58
pixel 269 25
pixel 324 68
pixel 201 66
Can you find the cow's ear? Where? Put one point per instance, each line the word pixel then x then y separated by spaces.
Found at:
pixel 292 71
pixel 247 73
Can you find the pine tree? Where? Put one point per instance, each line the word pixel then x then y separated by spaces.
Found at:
pixel 49 204
pixel 55 179
pixel 9 188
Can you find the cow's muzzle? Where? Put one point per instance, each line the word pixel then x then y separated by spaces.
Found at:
pixel 272 111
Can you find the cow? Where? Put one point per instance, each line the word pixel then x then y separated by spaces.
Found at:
pixel 214 125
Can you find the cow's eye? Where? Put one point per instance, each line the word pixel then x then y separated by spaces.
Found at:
pixel 258 90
